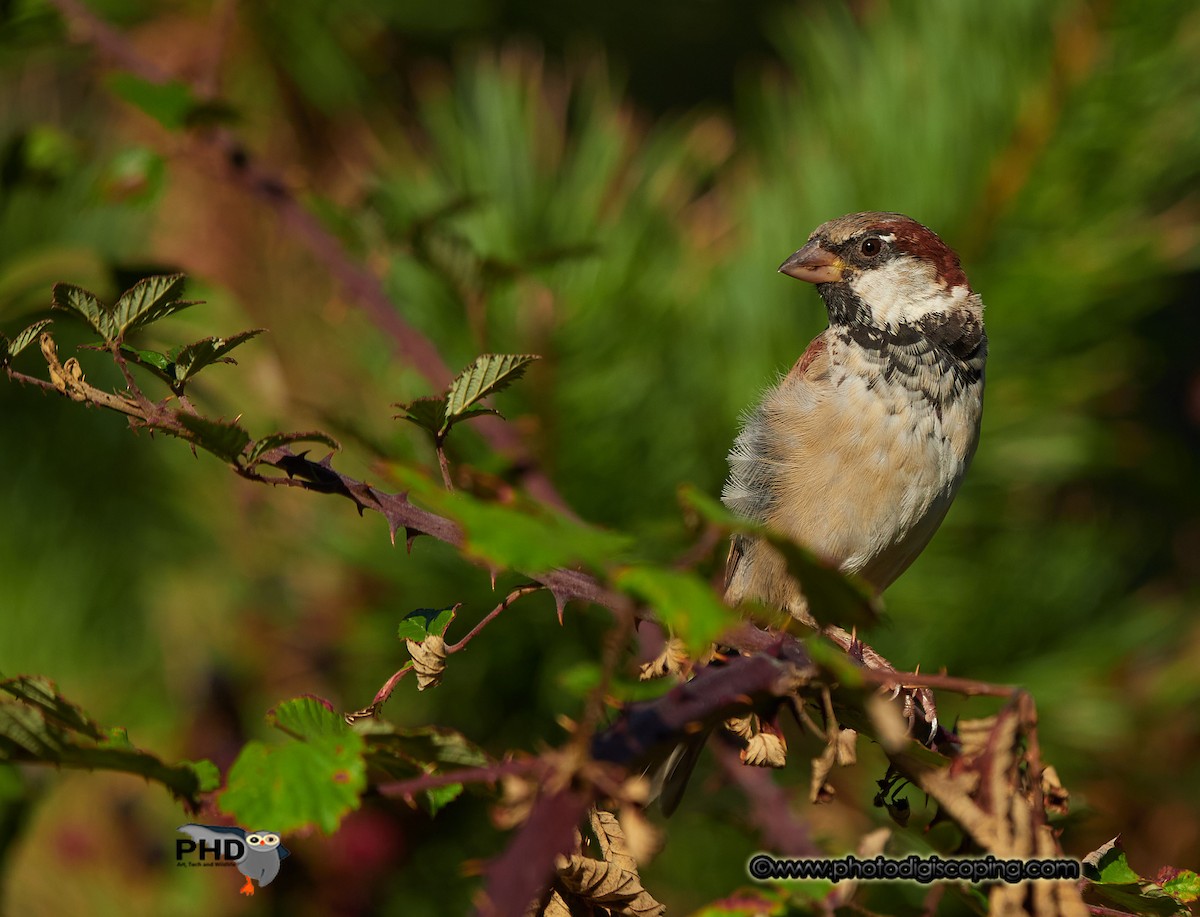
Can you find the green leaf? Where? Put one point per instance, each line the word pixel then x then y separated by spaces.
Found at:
pixel 521 536
pixel 147 301
pixel 1113 883
pixel 419 624
pixel 1108 865
pixel 189 360
pixel 683 601
pixel 489 373
pixel 427 413
pixel 41 727
pixel 307 718
pixel 154 361
pixel 314 778
pixel 833 597
pixel 26 337
pixel 169 103
pixel 86 305
pixel 224 440
pixel 275 440
pixel 441 796
pixel 1184 886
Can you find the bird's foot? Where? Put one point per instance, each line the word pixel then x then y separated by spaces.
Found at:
pixel 248 888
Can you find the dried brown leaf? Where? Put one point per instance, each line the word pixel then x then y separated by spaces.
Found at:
pixel 597 881
pixel 766 749
pixel 744 727
pixel 847 747
pixel 673 660
pixel 556 906
pixel 429 660
pixel 611 840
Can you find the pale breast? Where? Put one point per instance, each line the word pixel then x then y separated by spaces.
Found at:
pixel 860 471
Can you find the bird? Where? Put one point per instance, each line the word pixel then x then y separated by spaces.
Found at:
pixel 859 450
pixel 260 858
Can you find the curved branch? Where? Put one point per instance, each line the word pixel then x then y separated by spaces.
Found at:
pixel 241 170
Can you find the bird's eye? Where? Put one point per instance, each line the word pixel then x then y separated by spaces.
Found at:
pixel 871 247
pixel 252 839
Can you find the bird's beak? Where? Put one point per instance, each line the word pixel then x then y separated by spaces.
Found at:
pixel 814 265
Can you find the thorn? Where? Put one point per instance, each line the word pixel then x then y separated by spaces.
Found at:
pixel 493 573
pixel 560 605
pixel 410 535
pixel 917 670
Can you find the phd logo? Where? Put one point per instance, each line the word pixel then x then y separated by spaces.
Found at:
pixel 256 854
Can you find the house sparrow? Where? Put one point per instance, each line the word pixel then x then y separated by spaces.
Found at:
pixel 858 452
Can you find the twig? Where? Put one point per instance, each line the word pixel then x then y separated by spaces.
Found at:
pixel 491 615
pixel 965 686
pixel 390 685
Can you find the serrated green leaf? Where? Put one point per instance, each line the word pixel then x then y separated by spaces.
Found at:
pixel 226 441
pixel 169 103
pixel 1112 882
pixel 1108 865
pixel 419 624
pixel 490 373
pixel 306 718
pixel 1185 886
pixel 86 305
pixel 427 413
pixel 41 727
pixel 833 597
pixel 682 601
pixel 27 337
pixel 147 301
pixel 192 358
pixel 40 694
pixel 314 778
pixel 275 440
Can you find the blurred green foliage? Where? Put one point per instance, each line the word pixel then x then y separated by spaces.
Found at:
pixel 523 202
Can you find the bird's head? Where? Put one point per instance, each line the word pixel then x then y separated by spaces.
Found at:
pixel 262 840
pixel 885 272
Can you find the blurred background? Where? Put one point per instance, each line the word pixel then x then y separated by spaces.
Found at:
pixel 610 186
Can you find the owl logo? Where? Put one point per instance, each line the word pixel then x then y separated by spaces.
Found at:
pixel 257 854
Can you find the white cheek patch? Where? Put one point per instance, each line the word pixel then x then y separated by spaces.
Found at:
pixel 904 291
